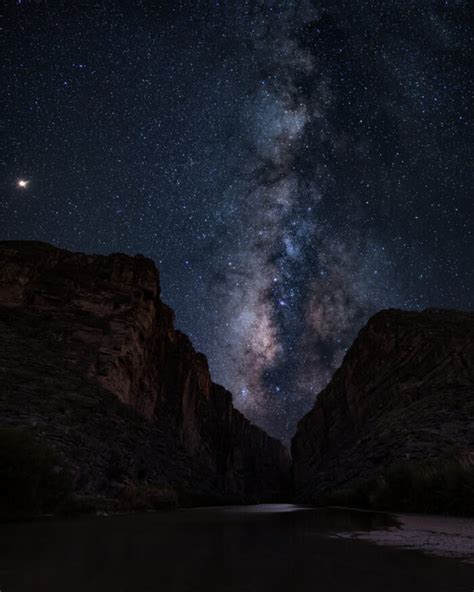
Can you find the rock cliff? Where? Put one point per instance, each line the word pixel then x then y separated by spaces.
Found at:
pixel 404 392
pixel 90 362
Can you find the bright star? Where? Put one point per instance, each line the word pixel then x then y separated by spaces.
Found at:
pixel 22 183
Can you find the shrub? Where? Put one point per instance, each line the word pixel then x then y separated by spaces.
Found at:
pixel 148 497
pixel 32 480
pixel 441 486
pixel 88 504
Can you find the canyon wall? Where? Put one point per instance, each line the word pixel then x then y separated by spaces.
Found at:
pixel 90 362
pixel 404 392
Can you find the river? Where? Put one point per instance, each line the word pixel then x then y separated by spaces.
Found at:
pixel 231 549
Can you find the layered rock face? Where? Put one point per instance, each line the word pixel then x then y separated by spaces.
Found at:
pixel 91 362
pixel 404 392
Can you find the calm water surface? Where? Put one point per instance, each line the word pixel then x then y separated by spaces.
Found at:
pixel 234 549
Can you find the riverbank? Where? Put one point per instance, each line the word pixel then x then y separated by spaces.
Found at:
pixel 444 536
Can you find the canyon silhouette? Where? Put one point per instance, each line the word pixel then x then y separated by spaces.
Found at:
pixel 236 327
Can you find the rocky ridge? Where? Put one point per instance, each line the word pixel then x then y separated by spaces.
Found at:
pixel 90 362
pixel 404 392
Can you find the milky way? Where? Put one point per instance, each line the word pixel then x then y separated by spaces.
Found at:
pixel 291 167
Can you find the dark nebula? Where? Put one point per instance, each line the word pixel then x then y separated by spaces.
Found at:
pixel 291 167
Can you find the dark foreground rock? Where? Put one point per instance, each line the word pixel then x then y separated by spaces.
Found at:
pixel 91 365
pixel 404 394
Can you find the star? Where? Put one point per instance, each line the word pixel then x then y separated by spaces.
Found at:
pixel 286 187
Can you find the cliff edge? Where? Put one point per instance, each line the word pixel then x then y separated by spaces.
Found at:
pixel 91 364
pixel 404 392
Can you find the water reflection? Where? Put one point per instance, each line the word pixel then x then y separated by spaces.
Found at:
pixel 238 549
pixel 257 509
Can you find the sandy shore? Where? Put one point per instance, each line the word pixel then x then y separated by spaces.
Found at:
pixel 435 535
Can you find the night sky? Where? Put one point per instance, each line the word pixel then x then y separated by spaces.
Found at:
pixel 291 167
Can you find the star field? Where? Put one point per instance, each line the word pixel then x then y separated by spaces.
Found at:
pixel 291 167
